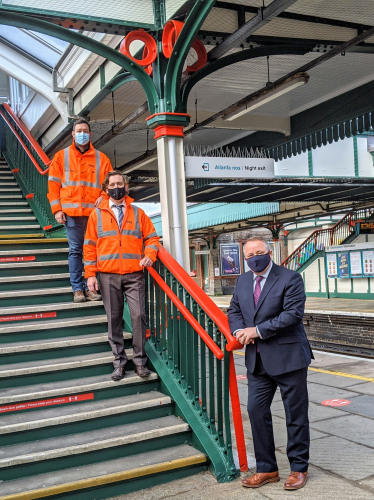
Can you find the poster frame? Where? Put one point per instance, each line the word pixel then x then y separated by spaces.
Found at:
pixel 221 248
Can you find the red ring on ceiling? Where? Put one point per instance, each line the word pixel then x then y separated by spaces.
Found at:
pixel 148 69
pixel 147 39
pixel 202 57
pixel 169 36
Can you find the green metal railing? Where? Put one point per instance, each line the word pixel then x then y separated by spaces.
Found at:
pixel 29 165
pixel 190 343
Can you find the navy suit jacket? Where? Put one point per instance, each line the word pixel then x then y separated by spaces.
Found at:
pixel 278 316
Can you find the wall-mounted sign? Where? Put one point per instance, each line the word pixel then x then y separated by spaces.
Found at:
pixel 240 168
pixel 202 252
pixel 343 267
pixel 332 266
pixel 368 262
pixel 230 259
pixel 356 264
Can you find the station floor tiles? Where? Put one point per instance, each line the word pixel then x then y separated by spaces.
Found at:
pixel 342 440
pixel 319 304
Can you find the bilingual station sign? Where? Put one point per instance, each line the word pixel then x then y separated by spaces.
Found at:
pixel 220 167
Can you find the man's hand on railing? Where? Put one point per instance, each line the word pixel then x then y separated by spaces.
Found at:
pixel 146 262
pixel 98 201
pixel 60 217
pixel 92 284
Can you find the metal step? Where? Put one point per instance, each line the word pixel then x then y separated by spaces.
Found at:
pixel 85 442
pixel 41 251
pixel 58 365
pixel 54 324
pixel 17 203
pixel 183 460
pixel 15 227
pixel 23 237
pixel 27 265
pixel 57 343
pixel 10 196
pixel 49 307
pixel 36 292
pixel 39 277
pixel 61 388
pixel 18 211
pixel 27 217
pixel 61 415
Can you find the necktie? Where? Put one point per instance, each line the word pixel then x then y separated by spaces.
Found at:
pixel 256 296
pixel 120 215
pixel 257 292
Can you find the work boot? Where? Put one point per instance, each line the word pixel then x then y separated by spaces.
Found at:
pixel 79 296
pixel 142 371
pixel 92 295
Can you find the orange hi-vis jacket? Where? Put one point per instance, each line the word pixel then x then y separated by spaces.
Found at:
pixel 75 179
pixel 110 249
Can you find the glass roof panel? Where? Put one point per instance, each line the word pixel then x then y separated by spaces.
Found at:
pixel 44 48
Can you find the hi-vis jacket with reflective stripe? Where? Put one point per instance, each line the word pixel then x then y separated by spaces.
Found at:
pixel 75 179
pixel 110 249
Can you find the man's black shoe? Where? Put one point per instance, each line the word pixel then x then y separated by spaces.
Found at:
pixel 118 373
pixel 142 371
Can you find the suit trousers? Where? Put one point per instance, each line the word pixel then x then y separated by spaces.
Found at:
pixel 294 392
pixel 112 287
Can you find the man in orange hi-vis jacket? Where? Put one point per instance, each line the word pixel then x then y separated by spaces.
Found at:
pixel 74 190
pixel 120 241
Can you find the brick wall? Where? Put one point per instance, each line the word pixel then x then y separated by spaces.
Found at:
pixel 348 329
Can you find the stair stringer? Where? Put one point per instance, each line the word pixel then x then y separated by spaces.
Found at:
pixel 222 464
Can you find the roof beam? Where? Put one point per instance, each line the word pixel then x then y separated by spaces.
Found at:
pixel 264 16
pixel 126 122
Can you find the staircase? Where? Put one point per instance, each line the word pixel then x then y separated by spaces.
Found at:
pixel 67 430
pixel 343 232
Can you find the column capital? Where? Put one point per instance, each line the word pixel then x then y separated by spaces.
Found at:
pixel 168 119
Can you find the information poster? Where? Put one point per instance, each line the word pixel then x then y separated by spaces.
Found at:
pixel 332 268
pixel 230 259
pixel 368 261
pixel 343 265
pixel 356 264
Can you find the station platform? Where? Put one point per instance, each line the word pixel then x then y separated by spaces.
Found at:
pixel 342 440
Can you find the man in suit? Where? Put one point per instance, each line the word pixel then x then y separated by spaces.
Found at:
pixel 265 314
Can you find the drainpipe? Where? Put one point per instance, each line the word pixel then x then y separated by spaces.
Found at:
pixel 64 90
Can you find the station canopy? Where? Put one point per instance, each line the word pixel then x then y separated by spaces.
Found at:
pixel 330 43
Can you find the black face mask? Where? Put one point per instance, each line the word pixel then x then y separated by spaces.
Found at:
pixel 258 263
pixel 117 193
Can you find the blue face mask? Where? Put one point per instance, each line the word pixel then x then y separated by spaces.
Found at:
pixel 258 263
pixel 82 138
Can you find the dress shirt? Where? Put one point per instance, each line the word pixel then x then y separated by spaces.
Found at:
pixel 262 283
pixel 115 210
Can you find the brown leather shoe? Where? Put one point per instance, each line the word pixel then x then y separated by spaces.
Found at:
pixel 92 295
pixel 79 296
pixel 118 373
pixel 142 371
pixel 296 480
pixel 261 478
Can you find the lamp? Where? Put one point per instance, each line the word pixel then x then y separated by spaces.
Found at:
pixel 264 96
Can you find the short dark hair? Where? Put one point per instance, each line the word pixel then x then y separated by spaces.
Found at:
pixel 81 121
pixel 126 180
pixel 258 238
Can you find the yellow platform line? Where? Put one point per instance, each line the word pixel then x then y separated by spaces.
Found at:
pixel 109 478
pixel 329 372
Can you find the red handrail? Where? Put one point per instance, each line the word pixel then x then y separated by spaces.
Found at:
pixel 42 172
pixel 186 313
pixel 201 298
pixel 315 235
pixel 27 133
pixel 213 311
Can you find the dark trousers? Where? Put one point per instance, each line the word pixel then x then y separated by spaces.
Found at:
pixel 75 230
pixel 293 388
pixel 112 287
